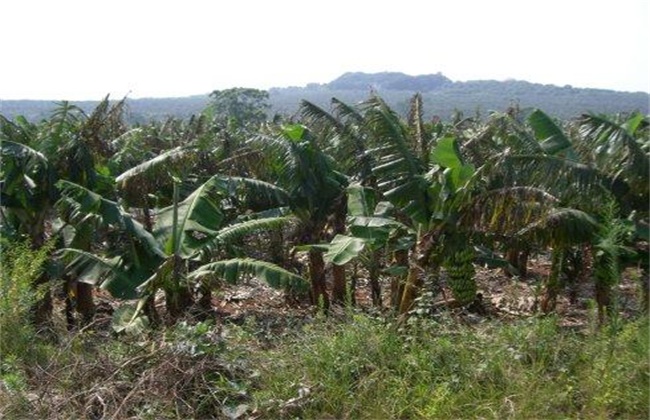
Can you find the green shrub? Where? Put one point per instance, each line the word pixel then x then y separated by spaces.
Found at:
pixel 19 344
pixel 21 266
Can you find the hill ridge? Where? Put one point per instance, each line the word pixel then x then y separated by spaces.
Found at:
pixel 442 97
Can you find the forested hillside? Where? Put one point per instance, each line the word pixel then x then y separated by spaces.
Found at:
pixel 441 96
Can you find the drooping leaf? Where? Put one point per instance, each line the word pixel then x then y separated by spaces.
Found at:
pixel 561 227
pixel 153 175
pixel 126 319
pixel 231 233
pixel 570 181
pixel 619 154
pixel 343 249
pixel 399 171
pixel 263 193
pixel 27 176
pixel 22 152
pixel 395 143
pixel 113 274
pixel 233 269
pixel 78 203
pixel 161 165
pixel 241 229
pixel 412 197
pixel 507 209
pixel 342 136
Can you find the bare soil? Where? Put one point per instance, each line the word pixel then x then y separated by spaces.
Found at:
pixel 504 298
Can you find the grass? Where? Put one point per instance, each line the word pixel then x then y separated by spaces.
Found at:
pixel 530 369
pixel 362 368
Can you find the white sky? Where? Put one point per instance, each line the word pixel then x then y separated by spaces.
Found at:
pixel 85 49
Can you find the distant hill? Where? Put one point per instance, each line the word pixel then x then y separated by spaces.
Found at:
pixel 441 97
pixel 389 81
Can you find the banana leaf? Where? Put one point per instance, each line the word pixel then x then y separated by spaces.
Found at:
pixel 233 269
pixel 343 249
pixel 199 219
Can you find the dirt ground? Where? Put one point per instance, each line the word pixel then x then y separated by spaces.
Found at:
pixel 505 298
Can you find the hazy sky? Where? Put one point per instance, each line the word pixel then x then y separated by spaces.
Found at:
pixel 85 49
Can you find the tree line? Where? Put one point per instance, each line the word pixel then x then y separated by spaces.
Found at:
pixel 441 96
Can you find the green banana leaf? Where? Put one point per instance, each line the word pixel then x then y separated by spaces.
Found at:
pixel 233 269
pixel 375 230
pixel 199 219
pixel 112 274
pixel 231 233
pixel 447 153
pixel 551 137
pixel 343 249
pixel 361 200
pixel 78 203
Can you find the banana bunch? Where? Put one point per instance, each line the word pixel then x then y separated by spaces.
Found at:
pixel 460 271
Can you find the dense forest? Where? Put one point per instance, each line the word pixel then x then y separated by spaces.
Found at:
pixel 348 260
pixel 441 97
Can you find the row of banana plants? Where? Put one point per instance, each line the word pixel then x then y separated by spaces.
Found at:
pixel 182 206
pixel 517 184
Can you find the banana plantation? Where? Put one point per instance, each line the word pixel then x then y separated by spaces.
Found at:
pixel 366 221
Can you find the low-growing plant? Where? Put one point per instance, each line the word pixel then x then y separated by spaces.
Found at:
pixel 20 346
pixel 21 265
pixel 530 369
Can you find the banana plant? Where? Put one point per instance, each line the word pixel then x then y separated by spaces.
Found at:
pixel 313 191
pixel 197 227
pixel 130 256
pixel 69 145
pixel 511 182
pixel 28 191
pixel 140 262
pixel 424 177
pixel 534 192
pixel 372 232
pixel 396 158
pixel 618 147
pixel 531 183
pixel 343 135
pixel 26 198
